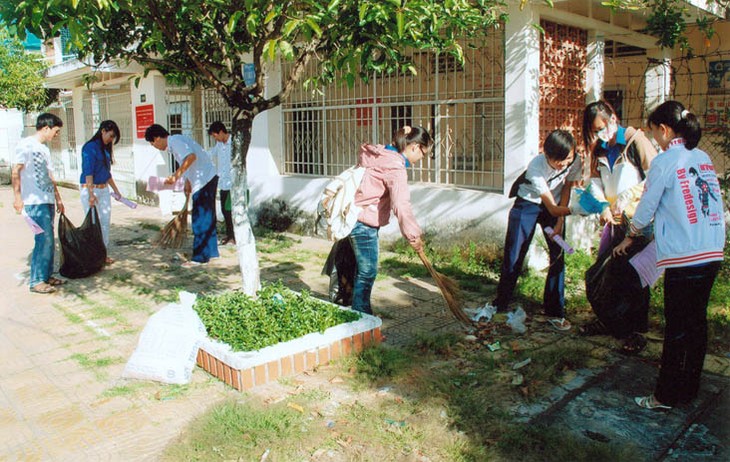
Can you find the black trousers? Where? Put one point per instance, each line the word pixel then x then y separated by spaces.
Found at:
pixel 686 294
pixel 227 216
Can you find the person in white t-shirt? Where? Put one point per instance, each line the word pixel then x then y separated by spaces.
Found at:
pixel 36 194
pixel 201 181
pixel 221 154
pixel 542 199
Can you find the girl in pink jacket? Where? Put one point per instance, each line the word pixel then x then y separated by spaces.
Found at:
pixel 384 188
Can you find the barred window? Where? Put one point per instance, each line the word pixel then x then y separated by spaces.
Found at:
pixel 462 106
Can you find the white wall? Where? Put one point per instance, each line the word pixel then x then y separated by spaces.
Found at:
pixel 11 131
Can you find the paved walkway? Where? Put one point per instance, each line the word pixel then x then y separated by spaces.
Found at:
pixel 61 397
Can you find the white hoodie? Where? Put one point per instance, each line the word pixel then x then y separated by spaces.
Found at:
pixel 682 194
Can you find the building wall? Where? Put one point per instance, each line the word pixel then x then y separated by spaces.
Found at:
pixel 441 206
pixel 11 131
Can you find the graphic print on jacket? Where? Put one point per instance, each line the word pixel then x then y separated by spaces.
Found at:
pixel 704 192
pixel 40 172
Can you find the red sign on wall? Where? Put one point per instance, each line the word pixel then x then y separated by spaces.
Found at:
pixel 364 111
pixel 145 116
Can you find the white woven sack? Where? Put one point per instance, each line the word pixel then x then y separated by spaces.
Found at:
pixel 168 344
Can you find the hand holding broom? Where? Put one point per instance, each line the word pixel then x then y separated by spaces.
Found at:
pixel 449 289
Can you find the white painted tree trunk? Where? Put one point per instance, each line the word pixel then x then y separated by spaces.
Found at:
pixel 245 241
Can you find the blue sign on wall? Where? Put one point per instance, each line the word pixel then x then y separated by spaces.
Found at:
pixel 249 74
pixel 718 79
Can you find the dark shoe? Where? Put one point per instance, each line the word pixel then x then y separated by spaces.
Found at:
pixel 55 281
pixel 593 328
pixel 43 288
pixel 633 345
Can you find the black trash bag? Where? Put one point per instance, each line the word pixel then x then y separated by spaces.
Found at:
pixel 613 289
pixel 82 249
pixel 341 268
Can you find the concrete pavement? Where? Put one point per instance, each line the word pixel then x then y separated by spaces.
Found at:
pixel 62 398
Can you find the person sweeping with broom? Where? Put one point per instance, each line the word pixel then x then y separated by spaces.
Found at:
pixel 384 187
pixel 200 180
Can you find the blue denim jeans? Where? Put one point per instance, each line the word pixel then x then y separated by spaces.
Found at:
pixel 364 240
pixel 205 237
pixel 523 219
pixel 41 260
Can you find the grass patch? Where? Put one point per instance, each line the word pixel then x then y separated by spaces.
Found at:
pixel 150 226
pixel 379 362
pixel 233 431
pixel 440 344
pixel 122 276
pixel 73 318
pixel 125 390
pixel 536 443
pixel 268 241
pixel 95 364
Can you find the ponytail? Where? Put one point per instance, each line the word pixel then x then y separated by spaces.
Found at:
pixel 684 123
pixel 408 135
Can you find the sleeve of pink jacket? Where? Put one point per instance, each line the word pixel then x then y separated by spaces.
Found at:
pixel 400 198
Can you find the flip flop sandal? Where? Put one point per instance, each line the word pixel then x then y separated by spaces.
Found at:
pixel 43 288
pixel 560 324
pixel 633 345
pixel 55 281
pixel 193 264
pixel 649 402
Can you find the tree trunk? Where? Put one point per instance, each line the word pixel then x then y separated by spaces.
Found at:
pixel 245 241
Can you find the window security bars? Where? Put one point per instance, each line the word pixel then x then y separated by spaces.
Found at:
pixel 461 105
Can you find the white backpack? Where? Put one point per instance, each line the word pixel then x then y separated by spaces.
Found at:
pixel 337 203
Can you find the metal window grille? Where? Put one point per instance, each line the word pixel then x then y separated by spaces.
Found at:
pixel 215 109
pixel 699 82
pixel 461 105
pixel 184 116
pixel 116 105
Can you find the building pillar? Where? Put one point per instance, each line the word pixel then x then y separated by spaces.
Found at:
pixel 148 161
pixel 657 78
pixel 521 94
pixel 595 74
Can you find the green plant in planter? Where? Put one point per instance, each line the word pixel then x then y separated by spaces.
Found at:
pixel 277 315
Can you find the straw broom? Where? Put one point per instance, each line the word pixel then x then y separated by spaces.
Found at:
pixel 173 234
pixel 449 289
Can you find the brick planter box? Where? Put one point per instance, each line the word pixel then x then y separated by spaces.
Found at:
pixel 246 369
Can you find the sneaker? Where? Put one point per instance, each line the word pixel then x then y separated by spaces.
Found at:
pixel 560 324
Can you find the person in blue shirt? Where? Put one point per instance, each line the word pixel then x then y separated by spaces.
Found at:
pixel 96 176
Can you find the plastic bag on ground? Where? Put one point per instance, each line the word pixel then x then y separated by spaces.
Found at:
pixel 516 320
pixel 168 344
pixel 483 314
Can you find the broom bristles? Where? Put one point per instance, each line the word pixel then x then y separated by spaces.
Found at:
pixel 449 290
pixel 173 234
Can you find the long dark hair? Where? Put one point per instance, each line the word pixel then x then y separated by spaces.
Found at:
pixel 674 115
pixel 107 125
pixel 407 135
pixel 598 108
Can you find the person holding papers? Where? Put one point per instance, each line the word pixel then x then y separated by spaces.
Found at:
pixel 201 181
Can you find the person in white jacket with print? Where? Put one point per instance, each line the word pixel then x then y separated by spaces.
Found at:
pixel 689 228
